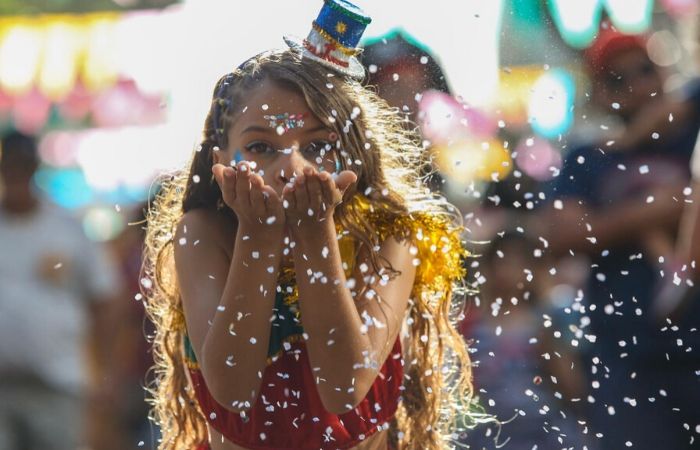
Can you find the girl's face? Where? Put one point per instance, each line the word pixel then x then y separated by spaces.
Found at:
pixel 275 128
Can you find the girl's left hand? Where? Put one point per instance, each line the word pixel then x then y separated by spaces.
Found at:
pixel 313 196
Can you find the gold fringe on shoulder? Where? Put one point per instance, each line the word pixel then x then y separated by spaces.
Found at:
pixel 436 245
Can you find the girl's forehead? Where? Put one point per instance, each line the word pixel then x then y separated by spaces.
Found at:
pixel 271 105
pixel 272 98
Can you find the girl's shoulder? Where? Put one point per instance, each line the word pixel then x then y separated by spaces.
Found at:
pixel 207 224
pixel 435 241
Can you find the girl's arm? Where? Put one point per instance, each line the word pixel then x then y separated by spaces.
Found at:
pixel 228 305
pixel 348 339
pixel 228 302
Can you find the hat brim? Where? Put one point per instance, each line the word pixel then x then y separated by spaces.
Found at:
pixel 355 69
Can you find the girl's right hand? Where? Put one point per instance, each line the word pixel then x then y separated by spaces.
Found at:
pixel 256 204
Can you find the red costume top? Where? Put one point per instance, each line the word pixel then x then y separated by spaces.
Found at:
pixel 288 413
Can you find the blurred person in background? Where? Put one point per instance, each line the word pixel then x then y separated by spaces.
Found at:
pixel 55 286
pixel 401 70
pixel 524 375
pixel 621 206
pixel 131 345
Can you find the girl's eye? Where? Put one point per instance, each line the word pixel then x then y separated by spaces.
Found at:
pixel 317 148
pixel 260 147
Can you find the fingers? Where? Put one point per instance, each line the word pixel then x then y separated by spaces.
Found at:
pixel 288 197
pixel 345 179
pixel 301 195
pixel 272 200
pixel 257 199
pixel 328 191
pixel 218 171
pixel 313 191
pixel 313 195
pixel 243 183
pixel 226 179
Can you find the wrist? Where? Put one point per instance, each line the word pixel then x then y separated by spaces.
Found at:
pixel 260 236
pixel 318 232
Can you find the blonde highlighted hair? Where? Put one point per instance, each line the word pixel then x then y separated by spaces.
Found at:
pixel 389 194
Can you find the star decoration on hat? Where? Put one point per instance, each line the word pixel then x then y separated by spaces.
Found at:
pixel 334 38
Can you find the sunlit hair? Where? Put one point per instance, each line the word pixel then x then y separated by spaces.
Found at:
pixel 387 159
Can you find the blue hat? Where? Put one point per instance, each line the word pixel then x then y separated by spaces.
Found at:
pixel 334 37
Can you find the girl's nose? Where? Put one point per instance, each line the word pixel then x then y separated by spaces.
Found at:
pixel 293 163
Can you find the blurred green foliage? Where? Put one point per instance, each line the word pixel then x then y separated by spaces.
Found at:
pixel 32 7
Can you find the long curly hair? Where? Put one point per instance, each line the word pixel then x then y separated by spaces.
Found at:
pixel 387 160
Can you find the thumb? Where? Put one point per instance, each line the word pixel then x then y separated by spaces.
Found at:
pixel 345 179
pixel 218 171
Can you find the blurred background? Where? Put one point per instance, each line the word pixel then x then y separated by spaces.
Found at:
pixel 524 105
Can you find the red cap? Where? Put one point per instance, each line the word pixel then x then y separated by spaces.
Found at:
pixel 608 43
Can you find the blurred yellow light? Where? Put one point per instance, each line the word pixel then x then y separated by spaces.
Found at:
pixel 100 70
pixel 59 69
pixel 20 54
pixel 468 161
pixel 515 86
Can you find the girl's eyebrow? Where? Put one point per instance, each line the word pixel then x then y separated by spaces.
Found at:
pixel 257 128
pixel 315 129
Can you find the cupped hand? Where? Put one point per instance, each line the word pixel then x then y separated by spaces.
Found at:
pixel 312 197
pixel 255 203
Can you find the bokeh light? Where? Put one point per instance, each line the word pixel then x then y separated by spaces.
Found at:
pixel 551 103
pixel 20 53
pixel 538 158
pixel 102 224
pixel 630 16
pixel 576 20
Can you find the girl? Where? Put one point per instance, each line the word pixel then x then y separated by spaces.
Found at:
pixel 282 285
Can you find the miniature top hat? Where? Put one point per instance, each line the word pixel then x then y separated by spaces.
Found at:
pixel 334 37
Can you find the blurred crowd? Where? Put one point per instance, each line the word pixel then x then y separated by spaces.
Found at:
pixel 582 325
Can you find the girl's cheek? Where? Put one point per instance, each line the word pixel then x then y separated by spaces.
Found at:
pixel 237 156
pixel 325 164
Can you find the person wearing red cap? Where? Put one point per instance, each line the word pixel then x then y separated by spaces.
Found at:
pixel 621 206
pixel 623 76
